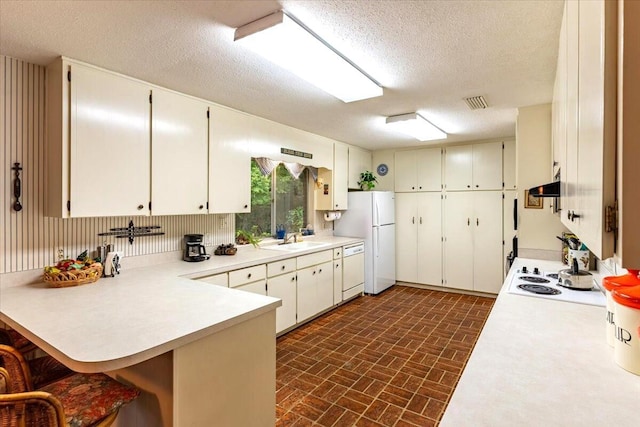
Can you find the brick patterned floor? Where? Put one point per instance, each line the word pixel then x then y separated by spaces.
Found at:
pixel 386 360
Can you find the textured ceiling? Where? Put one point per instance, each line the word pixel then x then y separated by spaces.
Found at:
pixel 428 56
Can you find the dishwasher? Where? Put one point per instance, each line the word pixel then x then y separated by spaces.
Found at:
pixel 352 271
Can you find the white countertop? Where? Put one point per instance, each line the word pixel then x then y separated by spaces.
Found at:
pixel 140 314
pixel 543 362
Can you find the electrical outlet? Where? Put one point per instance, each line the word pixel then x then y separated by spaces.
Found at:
pixel 223 221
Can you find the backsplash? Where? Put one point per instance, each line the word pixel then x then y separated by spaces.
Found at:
pixel 28 239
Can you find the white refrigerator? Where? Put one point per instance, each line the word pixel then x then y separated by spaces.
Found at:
pixel 371 216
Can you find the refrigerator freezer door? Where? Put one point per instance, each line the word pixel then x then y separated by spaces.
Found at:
pixel 384 259
pixel 384 210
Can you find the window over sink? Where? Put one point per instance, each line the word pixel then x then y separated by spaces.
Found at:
pixel 278 198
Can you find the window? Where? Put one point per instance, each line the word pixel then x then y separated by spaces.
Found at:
pixel 276 199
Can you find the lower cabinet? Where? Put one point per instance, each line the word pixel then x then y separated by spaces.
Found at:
pixel 250 279
pixel 284 287
pixel 337 276
pixel 473 241
pixel 315 290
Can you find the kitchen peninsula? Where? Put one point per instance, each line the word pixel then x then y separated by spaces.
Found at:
pixel 181 341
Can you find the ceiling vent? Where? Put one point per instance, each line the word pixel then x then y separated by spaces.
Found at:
pixel 476 102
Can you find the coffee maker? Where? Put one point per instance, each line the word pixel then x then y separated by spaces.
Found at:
pixel 194 250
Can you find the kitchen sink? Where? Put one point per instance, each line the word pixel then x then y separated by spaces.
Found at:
pixel 294 247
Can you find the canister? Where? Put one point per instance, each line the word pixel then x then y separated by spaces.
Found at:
pixel 626 348
pixel 614 282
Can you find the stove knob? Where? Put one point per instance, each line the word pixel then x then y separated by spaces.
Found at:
pixel 536 271
pixel 524 270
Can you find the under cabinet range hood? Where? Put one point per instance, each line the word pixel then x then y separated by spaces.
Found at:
pixel 547 190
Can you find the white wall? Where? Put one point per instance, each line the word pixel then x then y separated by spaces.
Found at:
pixel 387 182
pixel 537 227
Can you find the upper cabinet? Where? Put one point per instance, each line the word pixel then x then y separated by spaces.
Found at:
pixel 340 175
pixel 473 167
pixel 585 129
pixel 509 165
pixel 418 170
pixel 179 163
pixel 98 144
pixel 359 161
pixel 230 135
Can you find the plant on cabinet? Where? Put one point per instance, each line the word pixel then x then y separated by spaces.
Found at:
pixel 367 180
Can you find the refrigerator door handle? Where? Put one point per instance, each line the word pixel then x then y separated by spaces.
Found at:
pixel 377 214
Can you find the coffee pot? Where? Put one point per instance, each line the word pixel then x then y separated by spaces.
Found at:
pixel 194 250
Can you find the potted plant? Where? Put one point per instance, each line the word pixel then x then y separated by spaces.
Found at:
pixel 244 237
pixel 367 181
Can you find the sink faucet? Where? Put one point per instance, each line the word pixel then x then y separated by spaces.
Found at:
pixel 287 238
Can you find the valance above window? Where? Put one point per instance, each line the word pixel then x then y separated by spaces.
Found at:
pixel 267 166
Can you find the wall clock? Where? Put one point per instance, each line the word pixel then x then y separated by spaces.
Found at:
pixel 382 169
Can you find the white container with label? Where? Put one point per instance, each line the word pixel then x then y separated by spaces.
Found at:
pixel 626 347
pixel 610 283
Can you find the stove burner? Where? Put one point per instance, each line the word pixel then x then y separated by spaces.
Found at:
pixel 539 289
pixel 553 276
pixel 534 279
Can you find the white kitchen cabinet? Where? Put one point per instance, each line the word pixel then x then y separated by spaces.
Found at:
pixel 473 167
pixel 588 94
pixel 252 279
pixel 230 140
pixel 332 195
pixel 221 279
pixel 509 230
pixel 418 170
pixel 340 175
pixel 179 156
pixel 419 238
pixel 359 161
pixel 315 290
pixel 96 118
pixel 509 165
pixel 337 275
pixel 473 240
pixel 284 287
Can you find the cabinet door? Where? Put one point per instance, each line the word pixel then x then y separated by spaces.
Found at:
pixel 406 237
pixel 429 169
pixel 284 287
pixel 259 287
pixel 109 128
pixel 337 281
pixel 487 166
pixel 458 245
pixel 179 158
pixel 359 161
pixel 509 165
pixel 306 292
pixel 429 245
pixel 229 161
pixel 325 286
pixel 405 171
pixel 457 168
pixel 508 225
pixel 488 263
pixel 340 176
pixel 596 124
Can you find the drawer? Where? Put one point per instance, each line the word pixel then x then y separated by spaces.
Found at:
pixel 314 259
pixel 247 275
pixel 281 267
pixel 221 279
pixel 337 253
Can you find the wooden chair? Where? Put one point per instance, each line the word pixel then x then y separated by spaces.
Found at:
pixel 78 400
pixel 16 340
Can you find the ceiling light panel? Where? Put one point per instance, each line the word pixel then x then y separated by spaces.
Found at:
pixel 282 40
pixel 413 124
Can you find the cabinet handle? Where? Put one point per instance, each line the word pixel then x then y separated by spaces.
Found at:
pixel 140 207
pixel 420 188
pixel 246 206
pixel 477 221
pixel 413 220
pixel 249 276
pixel 337 265
pixel 201 207
pixel 468 186
pixel 468 222
pixel 283 267
pixel 413 188
pixel 420 220
pixel 314 273
pixel 477 186
pixel 571 215
pixel 293 279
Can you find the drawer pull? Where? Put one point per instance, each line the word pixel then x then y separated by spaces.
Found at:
pixel 283 267
pixel 293 279
pixel 314 272
pixel 320 271
pixel 140 207
pixel 249 276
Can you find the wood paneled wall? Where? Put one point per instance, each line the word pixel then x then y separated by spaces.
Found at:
pixel 28 239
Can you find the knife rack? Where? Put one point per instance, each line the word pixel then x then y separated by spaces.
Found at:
pixel 131 232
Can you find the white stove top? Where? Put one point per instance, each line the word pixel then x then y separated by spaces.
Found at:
pixel 528 275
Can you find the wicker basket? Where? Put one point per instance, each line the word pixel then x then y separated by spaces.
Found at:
pixel 65 279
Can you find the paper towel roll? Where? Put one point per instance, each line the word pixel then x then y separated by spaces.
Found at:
pixel 332 216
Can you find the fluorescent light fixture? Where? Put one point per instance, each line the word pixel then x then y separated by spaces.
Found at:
pixel 285 41
pixel 413 124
